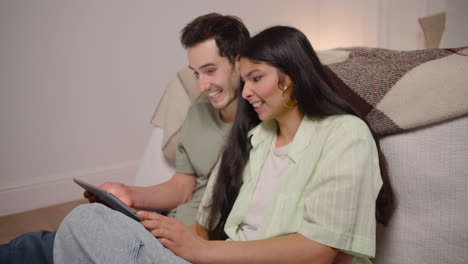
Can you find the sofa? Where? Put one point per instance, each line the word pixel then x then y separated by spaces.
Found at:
pixel 428 165
pixel 417 102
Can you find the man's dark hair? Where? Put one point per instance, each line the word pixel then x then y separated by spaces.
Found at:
pixel 229 33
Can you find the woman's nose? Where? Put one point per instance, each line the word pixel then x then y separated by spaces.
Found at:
pixel 246 91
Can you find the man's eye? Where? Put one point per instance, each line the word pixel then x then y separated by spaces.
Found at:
pixel 196 74
pixel 211 70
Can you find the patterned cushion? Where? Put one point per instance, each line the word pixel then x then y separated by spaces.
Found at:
pixel 396 90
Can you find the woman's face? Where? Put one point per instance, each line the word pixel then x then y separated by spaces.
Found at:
pixel 264 90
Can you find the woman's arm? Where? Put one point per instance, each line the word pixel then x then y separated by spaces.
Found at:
pixel 293 248
pixel 191 244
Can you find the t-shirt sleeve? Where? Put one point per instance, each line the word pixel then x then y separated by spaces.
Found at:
pixel 340 198
pixel 183 163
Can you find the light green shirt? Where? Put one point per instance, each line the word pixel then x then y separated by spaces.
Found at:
pixel 329 193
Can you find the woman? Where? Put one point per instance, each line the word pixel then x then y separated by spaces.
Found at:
pixel 298 181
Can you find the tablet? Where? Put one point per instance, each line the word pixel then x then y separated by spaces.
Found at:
pixel 109 199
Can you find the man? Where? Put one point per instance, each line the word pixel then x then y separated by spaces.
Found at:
pixel 213 42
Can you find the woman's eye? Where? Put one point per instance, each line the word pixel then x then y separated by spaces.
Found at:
pixel 256 79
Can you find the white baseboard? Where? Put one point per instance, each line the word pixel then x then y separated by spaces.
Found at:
pixel 60 189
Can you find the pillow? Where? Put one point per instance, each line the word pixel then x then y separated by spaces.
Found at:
pixel 178 96
pixel 332 56
pixel 433 27
pixel 401 90
pixel 456 25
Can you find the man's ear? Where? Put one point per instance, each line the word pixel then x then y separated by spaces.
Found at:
pixel 237 64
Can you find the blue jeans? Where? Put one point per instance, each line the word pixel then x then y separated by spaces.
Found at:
pixel 34 247
pixel 93 233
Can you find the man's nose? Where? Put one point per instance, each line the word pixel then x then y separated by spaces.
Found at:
pixel 203 83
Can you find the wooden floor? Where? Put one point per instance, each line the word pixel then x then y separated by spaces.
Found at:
pixel 47 218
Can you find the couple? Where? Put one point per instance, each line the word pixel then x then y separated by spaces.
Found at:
pixel 299 180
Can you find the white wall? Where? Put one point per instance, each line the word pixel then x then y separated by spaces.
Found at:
pixel 79 80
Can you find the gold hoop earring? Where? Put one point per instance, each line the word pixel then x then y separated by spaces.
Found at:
pixel 290 103
pixel 291 85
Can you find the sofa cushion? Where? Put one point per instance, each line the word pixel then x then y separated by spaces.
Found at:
pixel 395 90
pixel 429 172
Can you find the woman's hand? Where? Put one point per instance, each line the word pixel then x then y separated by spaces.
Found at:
pixel 174 235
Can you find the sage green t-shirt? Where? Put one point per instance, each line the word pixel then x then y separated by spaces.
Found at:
pixel 200 144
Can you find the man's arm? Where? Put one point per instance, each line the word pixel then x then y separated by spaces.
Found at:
pixel 161 197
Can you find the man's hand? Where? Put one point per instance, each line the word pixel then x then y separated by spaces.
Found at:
pixel 174 235
pixel 119 190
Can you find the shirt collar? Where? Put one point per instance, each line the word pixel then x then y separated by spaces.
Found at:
pixel 265 131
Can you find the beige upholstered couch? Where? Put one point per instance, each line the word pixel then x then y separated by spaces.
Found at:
pixel 422 114
pixel 429 169
pixel 424 123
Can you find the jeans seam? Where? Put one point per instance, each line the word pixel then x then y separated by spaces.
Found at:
pixel 137 244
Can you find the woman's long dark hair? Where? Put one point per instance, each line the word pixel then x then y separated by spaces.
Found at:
pixel 288 50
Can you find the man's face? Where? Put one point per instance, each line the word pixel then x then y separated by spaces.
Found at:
pixel 216 76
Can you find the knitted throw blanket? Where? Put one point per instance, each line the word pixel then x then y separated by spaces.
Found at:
pixel 401 90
